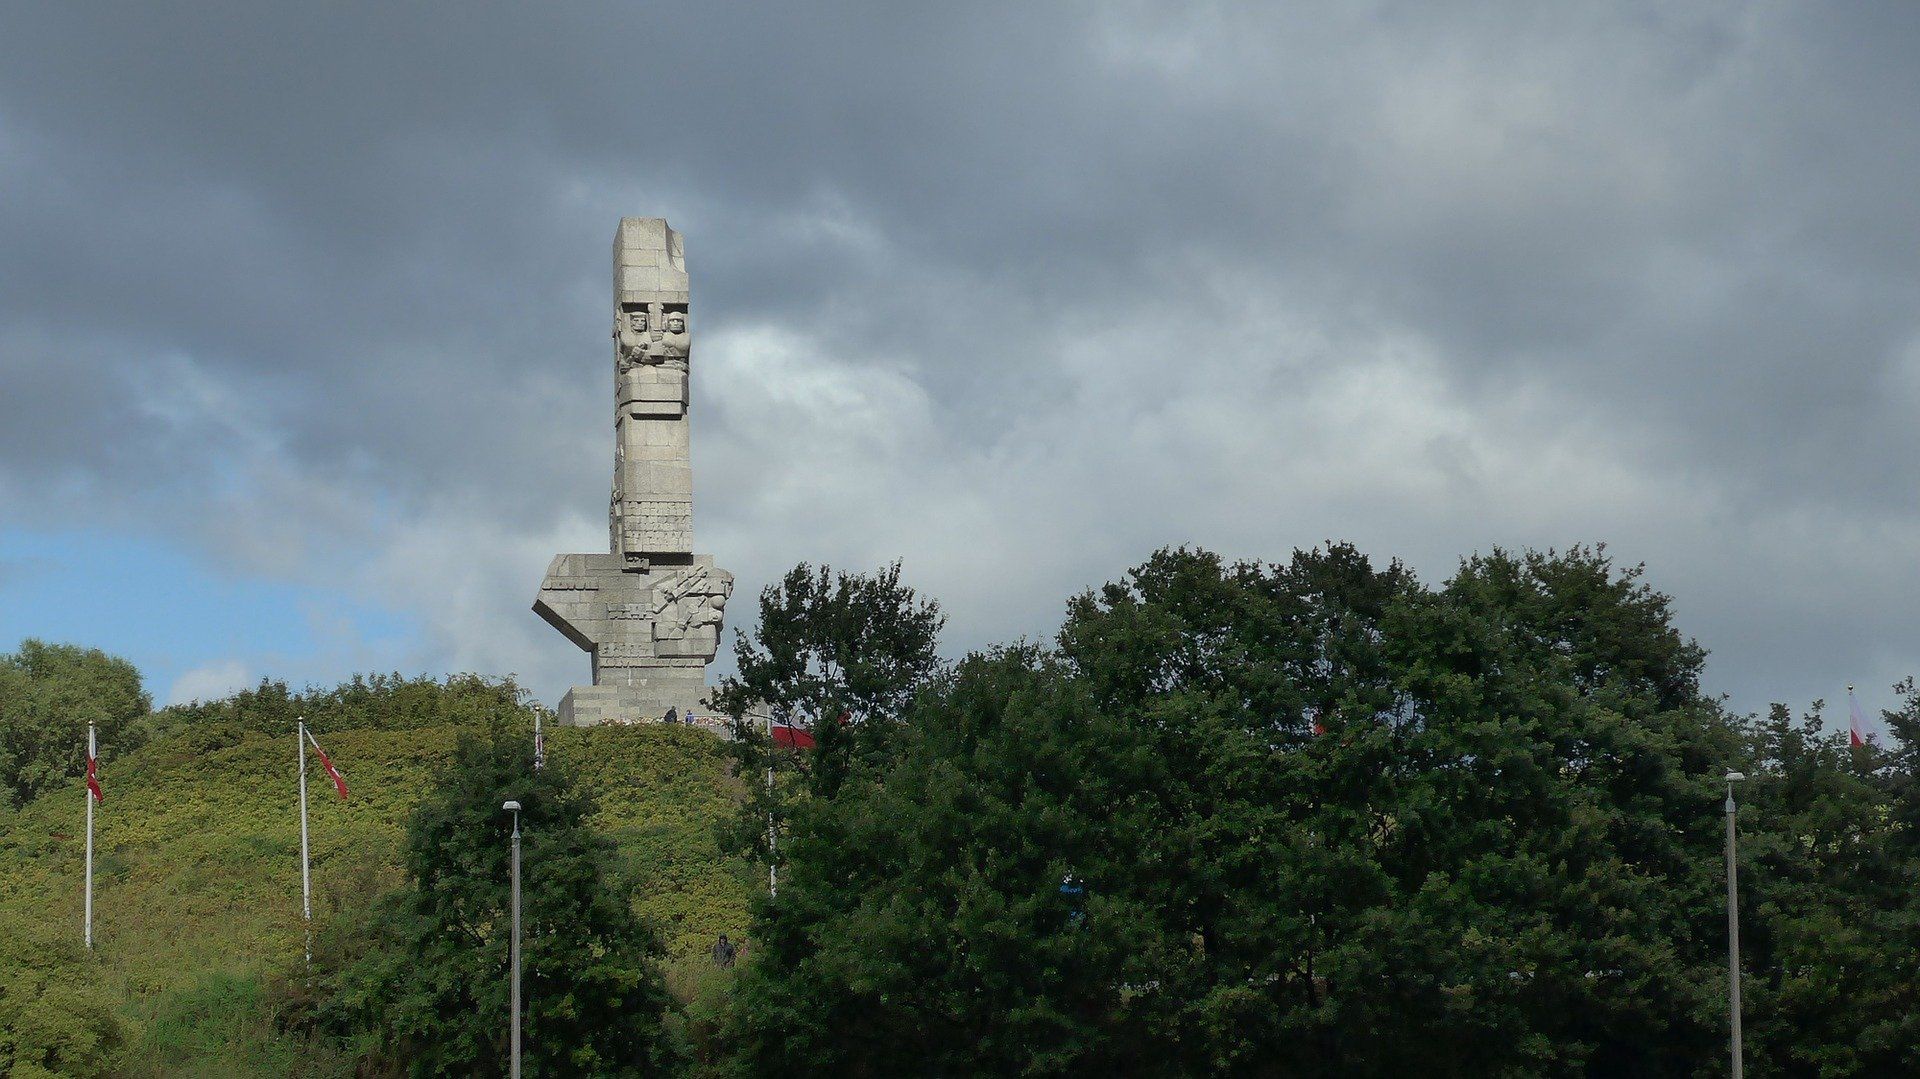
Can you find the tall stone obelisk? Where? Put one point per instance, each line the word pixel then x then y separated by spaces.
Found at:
pixel 649 609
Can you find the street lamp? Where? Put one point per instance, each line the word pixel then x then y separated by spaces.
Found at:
pixel 513 1065
pixel 1733 926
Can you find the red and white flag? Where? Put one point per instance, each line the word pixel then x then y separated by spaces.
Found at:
pixel 93 776
pixel 1858 731
pixel 339 783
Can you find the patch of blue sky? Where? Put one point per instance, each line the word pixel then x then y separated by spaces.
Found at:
pixel 174 613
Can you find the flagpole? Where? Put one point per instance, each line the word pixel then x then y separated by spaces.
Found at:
pixel 306 878
pixel 773 855
pixel 87 793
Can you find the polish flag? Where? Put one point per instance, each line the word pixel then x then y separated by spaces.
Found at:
pixel 326 762
pixel 93 777
pixel 1858 731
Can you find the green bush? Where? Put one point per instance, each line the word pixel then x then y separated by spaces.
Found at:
pixel 55 1016
pixel 48 695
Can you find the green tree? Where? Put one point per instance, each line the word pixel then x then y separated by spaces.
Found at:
pixel 1499 858
pixel 839 654
pixel 48 695
pixel 1828 904
pixel 922 928
pixel 1899 1028
pixel 430 989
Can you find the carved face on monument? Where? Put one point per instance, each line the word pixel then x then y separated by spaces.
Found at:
pixel 676 322
pixel 637 320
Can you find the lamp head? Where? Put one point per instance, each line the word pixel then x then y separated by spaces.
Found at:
pixel 1735 777
pixel 511 807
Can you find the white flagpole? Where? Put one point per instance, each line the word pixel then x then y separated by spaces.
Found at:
pixel 86 792
pixel 306 879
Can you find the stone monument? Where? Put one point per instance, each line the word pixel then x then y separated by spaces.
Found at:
pixel 649 610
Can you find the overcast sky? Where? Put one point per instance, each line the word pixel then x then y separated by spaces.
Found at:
pixel 304 364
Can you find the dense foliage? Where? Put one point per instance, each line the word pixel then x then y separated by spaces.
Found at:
pixel 54 1019
pixel 1829 879
pixel 48 695
pixel 430 993
pixel 839 655
pixel 1319 819
pixel 382 702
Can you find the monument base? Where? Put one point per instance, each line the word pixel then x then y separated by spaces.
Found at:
pixel 588 706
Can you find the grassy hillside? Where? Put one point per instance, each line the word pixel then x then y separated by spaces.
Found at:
pixel 197 876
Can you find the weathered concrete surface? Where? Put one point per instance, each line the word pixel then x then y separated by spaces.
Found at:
pixel 649 611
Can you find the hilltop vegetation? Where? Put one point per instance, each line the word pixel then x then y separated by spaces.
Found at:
pixel 1314 818
pixel 197 886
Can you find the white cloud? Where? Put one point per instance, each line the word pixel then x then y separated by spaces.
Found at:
pixel 212 681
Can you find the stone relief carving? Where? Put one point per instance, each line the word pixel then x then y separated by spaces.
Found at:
pixel 643 340
pixel 633 337
pixel 677 343
pixel 690 603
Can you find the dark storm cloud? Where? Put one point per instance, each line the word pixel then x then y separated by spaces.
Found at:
pixel 1074 279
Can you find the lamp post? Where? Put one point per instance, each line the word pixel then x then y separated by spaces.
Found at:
pixel 513 1065
pixel 1733 928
